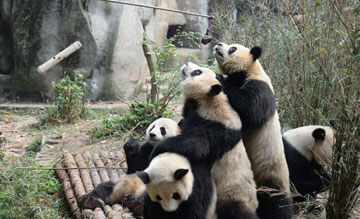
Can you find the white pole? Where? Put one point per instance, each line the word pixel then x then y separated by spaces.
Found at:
pixel 59 57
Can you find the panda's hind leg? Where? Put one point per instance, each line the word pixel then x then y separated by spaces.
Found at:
pixel 131 149
pixel 233 210
pixel 274 205
pixel 98 197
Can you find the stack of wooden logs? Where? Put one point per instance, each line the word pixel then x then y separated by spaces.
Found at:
pixel 82 178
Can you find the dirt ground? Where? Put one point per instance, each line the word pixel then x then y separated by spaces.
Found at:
pixel 18 130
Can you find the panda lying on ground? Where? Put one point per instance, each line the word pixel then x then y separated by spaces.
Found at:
pixel 137 159
pixel 251 94
pixel 308 149
pixel 207 134
pixel 210 118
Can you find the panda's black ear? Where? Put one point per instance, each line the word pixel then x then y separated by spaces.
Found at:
pixel 158 116
pixel 144 176
pixel 255 52
pixel 319 134
pixel 179 173
pixel 215 90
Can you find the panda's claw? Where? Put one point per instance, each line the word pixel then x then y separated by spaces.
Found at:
pixel 131 147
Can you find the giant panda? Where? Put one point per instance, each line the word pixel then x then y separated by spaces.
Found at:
pixel 251 94
pixel 130 186
pixel 137 158
pixel 177 188
pixel 308 149
pixel 213 125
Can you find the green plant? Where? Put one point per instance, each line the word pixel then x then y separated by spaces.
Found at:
pixel 30 194
pixel 69 99
pixel 136 119
pixel 34 146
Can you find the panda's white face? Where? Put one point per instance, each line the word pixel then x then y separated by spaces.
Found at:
pixel 235 57
pixel 197 81
pixel 168 180
pixel 161 129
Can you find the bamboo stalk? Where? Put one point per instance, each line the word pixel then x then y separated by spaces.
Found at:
pixel 93 172
pixel 102 172
pixel 111 172
pixel 74 174
pixel 68 190
pixel 121 171
pixel 84 173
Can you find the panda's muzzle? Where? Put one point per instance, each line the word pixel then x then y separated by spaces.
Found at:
pixel 218 53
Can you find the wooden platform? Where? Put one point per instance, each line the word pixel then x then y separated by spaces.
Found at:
pixel 78 181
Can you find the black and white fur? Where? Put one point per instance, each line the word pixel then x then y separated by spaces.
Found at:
pixel 137 157
pixel 251 94
pixel 210 118
pixel 201 143
pixel 178 189
pixel 308 150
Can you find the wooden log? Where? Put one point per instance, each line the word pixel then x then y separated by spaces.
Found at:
pixel 93 172
pixel 68 190
pixel 99 214
pixel 125 213
pixel 109 163
pixel 85 173
pixel 121 171
pixel 102 172
pixel 111 214
pixel 74 175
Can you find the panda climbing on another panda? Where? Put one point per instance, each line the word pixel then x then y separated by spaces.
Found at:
pixel 207 133
pixel 210 120
pixel 308 149
pixel 251 94
pixel 137 159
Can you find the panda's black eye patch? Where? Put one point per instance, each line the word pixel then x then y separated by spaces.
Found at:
pixel 176 196
pixel 163 131
pixel 158 197
pixel 232 50
pixel 196 73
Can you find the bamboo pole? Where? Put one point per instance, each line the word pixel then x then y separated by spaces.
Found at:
pixel 68 190
pixel 102 172
pixel 85 173
pixel 59 57
pixel 74 175
pixel 111 172
pixel 93 172
pixel 158 8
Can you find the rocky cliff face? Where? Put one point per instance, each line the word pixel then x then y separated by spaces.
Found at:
pixel 33 31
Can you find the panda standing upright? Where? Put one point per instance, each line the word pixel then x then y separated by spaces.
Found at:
pixel 251 94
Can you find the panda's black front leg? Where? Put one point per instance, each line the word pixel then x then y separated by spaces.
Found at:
pixel 131 149
pixel 254 101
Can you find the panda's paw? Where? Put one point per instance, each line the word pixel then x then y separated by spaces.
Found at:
pixel 131 147
pixel 90 202
pixel 135 205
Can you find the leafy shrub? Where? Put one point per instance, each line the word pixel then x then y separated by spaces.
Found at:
pixel 69 99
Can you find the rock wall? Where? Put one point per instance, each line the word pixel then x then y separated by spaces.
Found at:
pixel 111 58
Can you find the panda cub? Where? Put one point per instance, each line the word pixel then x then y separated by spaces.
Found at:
pixel 251 94
pixel 209 118
pixel 308 149
pixel 137 158
pixel 177 189
pixel 206 135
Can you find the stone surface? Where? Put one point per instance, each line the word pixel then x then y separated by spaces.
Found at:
pixel 111 58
